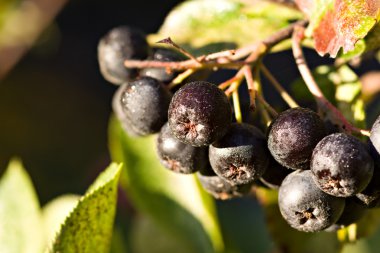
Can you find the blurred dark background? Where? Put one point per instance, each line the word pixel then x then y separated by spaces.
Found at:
pixel 54 105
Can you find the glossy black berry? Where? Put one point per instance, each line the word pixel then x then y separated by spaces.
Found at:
pixel 241 156
pixel 304 206
pixel 341 165
pixel 199 113
pixel 274 174
pixel 293 136
pixel 162 74
pixel 375 141
pixel 142 106
pixel 178 156
pixel 220 188
pixel 115 47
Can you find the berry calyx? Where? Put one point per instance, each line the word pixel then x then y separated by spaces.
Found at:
pixel 293 136
pixel 199 113
pixel 341 165
pixel 241 156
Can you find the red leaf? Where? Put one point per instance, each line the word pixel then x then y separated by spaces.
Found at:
pixel 342 23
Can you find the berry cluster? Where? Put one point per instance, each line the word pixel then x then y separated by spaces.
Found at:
pixel 325 181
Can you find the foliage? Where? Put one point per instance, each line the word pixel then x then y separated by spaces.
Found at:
pixel 171 212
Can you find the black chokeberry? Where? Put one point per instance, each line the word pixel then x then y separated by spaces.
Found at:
pixel 241 156
pixel 341 165
pixel 304 206
pixel 293 136
pixel 115 47
pixel 220 188
pixel 142 106
pixel 199 113
pixel 178 156
pixel 162 74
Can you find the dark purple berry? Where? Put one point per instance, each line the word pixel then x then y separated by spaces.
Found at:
pixel 180 157
pixel 115 47
pixel 141 106
pixel 199 113
pixel 293 136
pixel 304 206
pixel 220 188
pixel 274 174
pixel 341 165
pixel 162 74
pixel 241 156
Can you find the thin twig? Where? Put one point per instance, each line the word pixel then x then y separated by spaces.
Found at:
pixel 237 110
pixel 227 83
pixel 180 77
pixel 225 59
pixel 312 85
pixel 234 86
pixel 276 84
pixel 252 89
pixel 170 42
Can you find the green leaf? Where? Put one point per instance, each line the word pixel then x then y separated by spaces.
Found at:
pixel 336 24
pixel 89 226
pixel 348 96
pixel 55 212
pixel 288 239
pixel 20 216
pixel 143 227
pixel 224 24
pixel 175 202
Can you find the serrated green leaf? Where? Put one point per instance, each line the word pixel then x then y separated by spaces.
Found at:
pixel 288 239
pixel 55 212
pixel 204 26
pixel 21 228
pixel 175 202
pixel 88 228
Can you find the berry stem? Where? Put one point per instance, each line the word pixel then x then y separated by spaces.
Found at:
pixel 276 84
pixel 266 111
pixel 313 87
pixel 230 59
pixel 252 88
pixel 227 83
pixel 170 42
pixel 236 102
pixel 179 79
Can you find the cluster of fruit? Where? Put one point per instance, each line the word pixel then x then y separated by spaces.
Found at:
pixel 325 181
